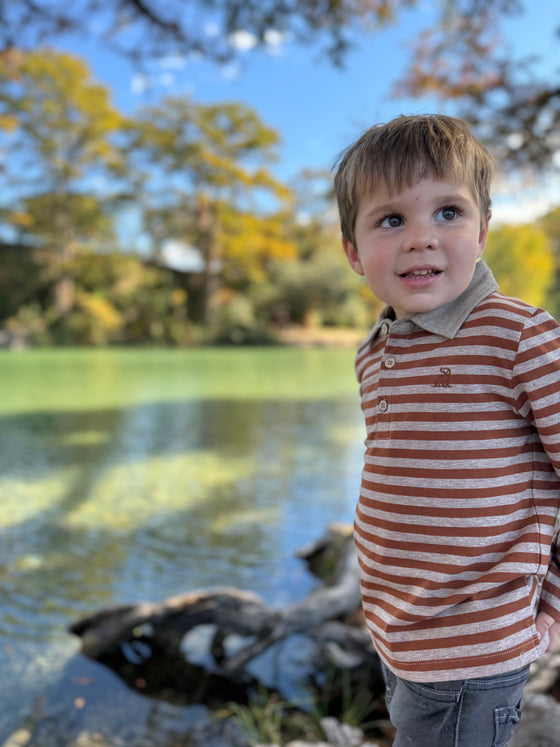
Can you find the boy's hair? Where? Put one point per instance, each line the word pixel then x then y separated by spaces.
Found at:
pixel 402 152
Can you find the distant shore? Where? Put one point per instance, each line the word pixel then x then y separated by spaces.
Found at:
pixel 341 337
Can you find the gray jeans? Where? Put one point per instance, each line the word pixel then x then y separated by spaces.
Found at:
pixel 462 713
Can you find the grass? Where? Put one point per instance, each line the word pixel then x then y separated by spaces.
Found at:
pixel 268 718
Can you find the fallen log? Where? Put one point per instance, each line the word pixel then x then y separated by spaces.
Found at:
pixel 329 616
pixel 339 600
pixel 168 621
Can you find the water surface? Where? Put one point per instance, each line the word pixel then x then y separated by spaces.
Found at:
pixel 130 475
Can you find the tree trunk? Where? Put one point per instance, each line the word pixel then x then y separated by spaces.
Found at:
pixel 207 245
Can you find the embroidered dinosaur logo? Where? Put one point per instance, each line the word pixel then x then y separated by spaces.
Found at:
pixel 443 379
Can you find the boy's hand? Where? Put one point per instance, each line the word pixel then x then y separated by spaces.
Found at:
pixel 545 622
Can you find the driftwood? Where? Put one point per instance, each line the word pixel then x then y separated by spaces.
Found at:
pixel 167 622
pixel 328 616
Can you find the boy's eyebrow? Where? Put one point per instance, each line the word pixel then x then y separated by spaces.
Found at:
pixel 380 210
pixel 385 207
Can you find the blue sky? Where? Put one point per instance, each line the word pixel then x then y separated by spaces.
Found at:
pixel 318 109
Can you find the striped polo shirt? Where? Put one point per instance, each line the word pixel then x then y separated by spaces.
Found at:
pixel 460 488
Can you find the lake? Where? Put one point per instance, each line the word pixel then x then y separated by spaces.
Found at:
pixel 130 475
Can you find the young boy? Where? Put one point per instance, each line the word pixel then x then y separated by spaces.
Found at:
pixel 460 389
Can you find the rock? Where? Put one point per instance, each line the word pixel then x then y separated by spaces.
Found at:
pixel 344 735
pixel 19 738
pixel 338 734
pixel 545 672
pixel 297 744
pixel 540 722
pixel 91 740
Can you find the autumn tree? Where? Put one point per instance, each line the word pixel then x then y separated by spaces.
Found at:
pixel 316 287
pixel 550 224
pixel 522 260
pixel 465 57
pixel 460 52
pixel 57 125
pixel 148 29
pixel 200 171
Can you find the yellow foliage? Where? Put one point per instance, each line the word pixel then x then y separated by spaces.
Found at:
pixel 131 279
pixel 178 297
pixel 8 123
pixel 522 260
pixel 57 90
pixel 101 310
pixel 20 218
pixel 223 296
pixel 247 242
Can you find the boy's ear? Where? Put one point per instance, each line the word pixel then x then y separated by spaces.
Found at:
pixel 483 235
pixel 353 256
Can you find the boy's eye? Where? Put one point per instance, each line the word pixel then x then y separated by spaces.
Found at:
pixel 391 221
pixel 448 212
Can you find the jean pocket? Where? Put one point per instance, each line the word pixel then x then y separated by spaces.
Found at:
pixel 444 692
pixel 505 720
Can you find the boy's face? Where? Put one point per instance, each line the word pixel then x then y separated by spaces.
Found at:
pixel 418 248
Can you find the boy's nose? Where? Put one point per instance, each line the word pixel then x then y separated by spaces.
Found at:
pixel 418 239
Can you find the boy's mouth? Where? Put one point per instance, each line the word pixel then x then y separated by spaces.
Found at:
pixel 423 273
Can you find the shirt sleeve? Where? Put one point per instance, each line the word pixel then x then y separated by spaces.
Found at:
pixel 537 391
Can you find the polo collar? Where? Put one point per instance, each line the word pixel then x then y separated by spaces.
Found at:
pixel 446 320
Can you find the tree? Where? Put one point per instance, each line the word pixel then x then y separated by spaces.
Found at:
pixel 200 171
pixel 461 53
pixel 317 287
pixel 465 58
pixel 522 259
pixel 143 29
pixel 57 125
pixel 550 223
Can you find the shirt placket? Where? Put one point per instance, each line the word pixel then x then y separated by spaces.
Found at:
pixel 388 362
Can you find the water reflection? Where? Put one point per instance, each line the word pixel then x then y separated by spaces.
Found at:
pixel 124 503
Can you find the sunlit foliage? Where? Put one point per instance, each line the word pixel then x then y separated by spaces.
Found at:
pixel 522 260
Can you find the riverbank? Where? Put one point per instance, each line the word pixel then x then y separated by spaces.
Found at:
pixel 321 337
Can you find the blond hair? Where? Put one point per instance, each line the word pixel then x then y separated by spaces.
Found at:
pixel 402 152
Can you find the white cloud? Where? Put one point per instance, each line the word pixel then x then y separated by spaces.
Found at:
pixel 179 255
pixel 138 84
pixel 231 71
pixel 173 62
pixel 518 201
pixel 274 41
pixel 517 211
pixel 167 79
pixel 242 41
pixel 211 29
pixel 515 140
pixel 523 209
